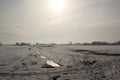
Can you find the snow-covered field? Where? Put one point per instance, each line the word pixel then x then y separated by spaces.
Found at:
pixel 59 63
pixel 102 49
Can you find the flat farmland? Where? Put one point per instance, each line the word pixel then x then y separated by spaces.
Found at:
pixel 59 62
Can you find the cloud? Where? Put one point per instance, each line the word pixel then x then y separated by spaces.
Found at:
pixel 87 20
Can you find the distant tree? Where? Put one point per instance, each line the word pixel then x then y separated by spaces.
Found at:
pixel 28 44
pixel 70 43
pixel 1 44
pixel 77 44
pixel 86 43
pixel 17 44
pixel 24 44
pixel 99 43
pixel 53 44
pixel 21 44
pixel 116 43
pixel 37 44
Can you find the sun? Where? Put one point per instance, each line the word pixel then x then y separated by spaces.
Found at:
pixel 57 5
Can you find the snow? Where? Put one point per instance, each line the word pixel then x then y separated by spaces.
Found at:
pixel 101 49
pixel 22 63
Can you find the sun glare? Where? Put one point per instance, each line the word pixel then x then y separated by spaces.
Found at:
pixel 57 5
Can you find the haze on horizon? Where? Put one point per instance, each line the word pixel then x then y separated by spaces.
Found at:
pixel 76 21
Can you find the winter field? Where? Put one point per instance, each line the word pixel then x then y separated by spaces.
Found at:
pixel 59 62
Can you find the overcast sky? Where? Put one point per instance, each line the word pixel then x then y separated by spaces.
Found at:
pixel 80 21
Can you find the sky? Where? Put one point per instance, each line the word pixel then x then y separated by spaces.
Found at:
pixel 79 21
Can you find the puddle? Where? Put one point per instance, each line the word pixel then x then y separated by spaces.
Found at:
pixel 49 62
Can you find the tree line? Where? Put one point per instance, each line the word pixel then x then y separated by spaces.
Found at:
pixel 99 43
pixel 70 43
pixel 22 44
pixel 92 43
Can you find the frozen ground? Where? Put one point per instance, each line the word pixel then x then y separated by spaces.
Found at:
pixel 59 63
pixel 101 49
